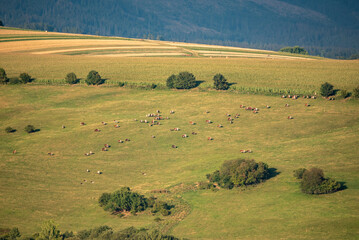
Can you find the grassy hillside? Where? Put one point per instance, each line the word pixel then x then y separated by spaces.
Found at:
pixel 35 187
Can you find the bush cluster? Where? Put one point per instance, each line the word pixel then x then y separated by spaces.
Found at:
pixel 3 76
pixel 239 172
pixel 184 80
pixel 125 200
pixel 295 49
pixel 314 182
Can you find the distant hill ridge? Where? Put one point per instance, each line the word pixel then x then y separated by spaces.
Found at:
pixel 324 27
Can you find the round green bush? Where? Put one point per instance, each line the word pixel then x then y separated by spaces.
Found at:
pixel 220 82
pixel 326 89
pixel 184 80
pixel 29 129
pixel 71 78
pixel 25 78
pixel 10 130
pixel 94 78
pixel 356 92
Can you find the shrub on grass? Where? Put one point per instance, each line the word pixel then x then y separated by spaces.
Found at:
pixel 71 78
pixel 356 92
pixel 184 80
pixel 161 207
pixel 30 129
pixel 10 130
pixel 344 94
pixel 122 84
pixel 326 89
pixel 314 182
pixel 49 230
pixel 94 78
pixel 25 78
pixel 220 82
pixel 3 77
pixel 239 172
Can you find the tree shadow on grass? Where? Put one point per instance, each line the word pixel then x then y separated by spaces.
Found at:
pixel 342 186
pixel 230 84
pixel 37 130
pixel 198 83
pixel 272 173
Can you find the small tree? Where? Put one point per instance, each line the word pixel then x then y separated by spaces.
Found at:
pixel 185 80
pixel 220 82
pixel 94 78
pixel 356 92
pixel 10 130
pixel 326 89
pixel 71 78
pixel 14 233
pixel 29 129
pixel 3 77
pixel 49 231
pixel 25 78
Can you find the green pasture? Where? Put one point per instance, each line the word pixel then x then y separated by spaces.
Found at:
pixel 35 187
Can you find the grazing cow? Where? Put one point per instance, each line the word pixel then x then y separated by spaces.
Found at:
pixel 268 106
pixel 99 172
pixel 91 153
pixel 184 136
pixel 158 111
pixel 97 130
pixel 116 121
pixel 294 97
pixel 314 97
pixel 116 126
pixel 120 141
pixel 192 123
pixel 14 152
pixel 249 151
pixel 286 105
pixel 51 154
pixel 172 112
pixel 104 123
pixel 231 122
pixel 243 151
pixel 290 117
pixel 207 111
pixel 307 105
pixel 135 120
pixel 63 126
pixel 146 121
pixel 87 154
pixel 174 146
pixel 283 96
pixel 254 111
pixel 194 133
pixel 228 115
pixel 104 149
pixel 289 96
pixel 82 123
pixel 210 138
pixel 208 121
pixel 87 170
pixel 219 125
pixel 176 129
pixel 153 136
pixel 107 146
pixel 127 140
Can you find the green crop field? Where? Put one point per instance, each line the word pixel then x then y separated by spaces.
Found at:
pixel 35 187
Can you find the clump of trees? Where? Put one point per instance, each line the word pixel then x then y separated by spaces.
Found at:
pixel 314 182
pixel 50 230
pixel 239 172
pixel 295 49
pixel 94 78
pixel 184 80
pixel 25 78
pixel 71 78
pixel 220 82
pixel 326 89
pixel 125 200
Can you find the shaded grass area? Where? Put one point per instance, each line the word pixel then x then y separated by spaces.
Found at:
pixel 36 187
